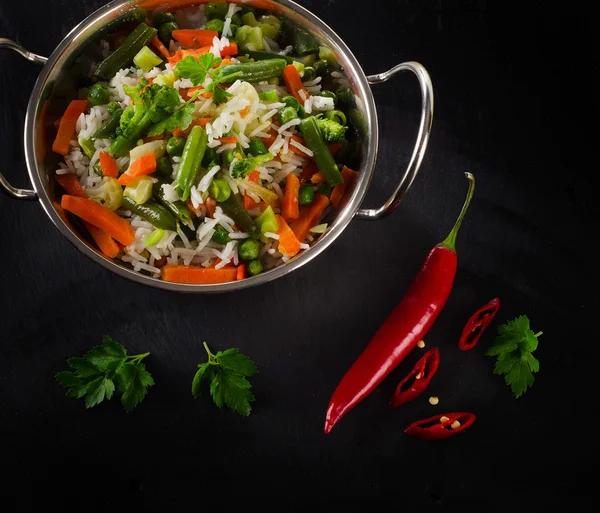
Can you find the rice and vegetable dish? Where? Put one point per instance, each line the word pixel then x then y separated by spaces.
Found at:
pixel 210 144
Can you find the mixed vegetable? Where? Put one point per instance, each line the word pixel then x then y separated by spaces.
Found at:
pixel 210 145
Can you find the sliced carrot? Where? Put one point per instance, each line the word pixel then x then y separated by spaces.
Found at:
pixel 71 184
pixel 297 151
pixel 143 166
pixel 339 190
pixel 198 275
pixel 178 132
pixel 241 272
pixel 249 203
pixel 309 215
pixel 290 208
pixel 292 80
pixel 318 178
pixel 228 140
pixel 100 216
pixel 105 242
pixel 66 128
pixel 289 244
pixel 211 206
pixel 192 37
pixel 182 54
pixel 162 49
pixel 108 165
pixel 245 111
pixel 230 49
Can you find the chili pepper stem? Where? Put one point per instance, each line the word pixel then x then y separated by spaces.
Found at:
pixel 450 241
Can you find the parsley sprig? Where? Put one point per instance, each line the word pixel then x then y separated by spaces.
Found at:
pixel 514 343
pixel 104 369
pixel 225 376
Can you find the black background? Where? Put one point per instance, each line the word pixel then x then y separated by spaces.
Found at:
pixel 515 98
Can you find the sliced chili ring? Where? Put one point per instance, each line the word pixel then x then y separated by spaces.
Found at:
pixel 477 324
pixel 440 426
pixel 417 379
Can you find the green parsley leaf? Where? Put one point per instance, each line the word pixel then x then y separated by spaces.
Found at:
pixel 94 374
pixel 220 95
pixel 181 118
pixel 514 343
pixel 225 376
pixel 196 68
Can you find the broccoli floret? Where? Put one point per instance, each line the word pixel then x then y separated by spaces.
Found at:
pixel 331 130
pixel 244 167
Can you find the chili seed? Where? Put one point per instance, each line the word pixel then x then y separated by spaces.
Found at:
pixel 455 424
pixel 444 419
pixel 419 376
pixel 421 344
pixel 433 400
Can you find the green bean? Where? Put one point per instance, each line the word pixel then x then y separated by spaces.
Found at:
pixel 161 17
pixel 175 146
pixel 306 195
pixel 189 165
pixel 249 249
pixel 98 94
pixel 165 32
pixel 254 267
pixel 257 147
pixel 252 71
pixel 214 10
pixel 123 56
pixel 178 208
pixel 315 142
pixel 108 129
pixel 302 41
pixel 87 145
pixel 261 56
pixel 233 208
pixel 287 114
pixel 113 107
pixel 219 189
pixel 121 146
pixel 336 115
pixel 221 235
pixel 329 94
pixel 157 215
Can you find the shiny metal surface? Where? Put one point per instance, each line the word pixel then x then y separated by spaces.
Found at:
pixel 420 145
pixel 56 73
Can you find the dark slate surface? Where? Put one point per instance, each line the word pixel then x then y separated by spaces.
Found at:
pixel 513 87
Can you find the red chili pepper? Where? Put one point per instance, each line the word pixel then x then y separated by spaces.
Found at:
pixel 478 322
pixel 440 426
pixel 405 326
pixel 417 379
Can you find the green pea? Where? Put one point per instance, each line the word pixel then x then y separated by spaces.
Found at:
pixel 325 189
pixel 215 24
pixel 257 147
pixel 175 146
pixel 162 17
pixel 290 101
pixel 210 156
pixel 219 190
pixel 287 114
pixel 321 66
pixel 306 195
pixel 221 235
pixel 227 158
pixel 112 107
pixel 98 94
pixel 310 73
pixel 329 94
pixel 165 30
pixel 254 267
pixel 164 167
pixel 336 115
pixel 248 249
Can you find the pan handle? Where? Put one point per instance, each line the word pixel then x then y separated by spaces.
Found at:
pixel 38 59
pixel 420 145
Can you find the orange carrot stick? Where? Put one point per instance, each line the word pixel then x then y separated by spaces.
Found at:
pixel 230 49
pixel 157 43
pixel 339 190
pixel 108 165
pixel 290 208
pixel 105 242
pixel 228 140
pixel 192 52
pixel 70 183
pixel 249 203
pixel 198 275
pixel 318 177
pixel 241 272
pixel 191 37
pixel 66 128
pixel 292 80
pixel 100 216
pixel 309 215
pixel 289 244
pixel 143 166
